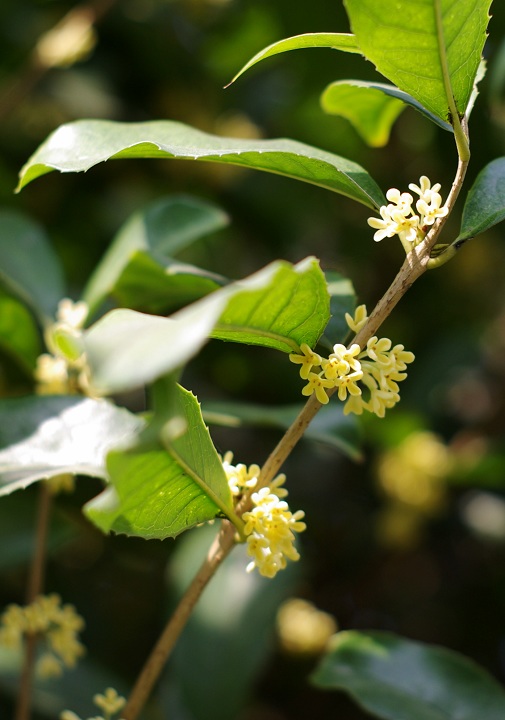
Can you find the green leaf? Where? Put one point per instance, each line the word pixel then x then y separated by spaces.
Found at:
pixel 372 108
pixel 485 204
pixel 19 334
pixel 336 41
pixel 139 261
pixel 280 307
pixel 80 145
pixel 159 489
pixel 292 309
pixel 329 427
pixel 229 635
pixel 46 436
pixel 395 679
pixel 29 268
pixel 342 301
pixel 431 49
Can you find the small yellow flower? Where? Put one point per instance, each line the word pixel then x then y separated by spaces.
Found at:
pixel 270 528
pixel 240 477
pixel 347 384
pixel 424 189
pixel 51 375
pixel 341 361
pixel 399 218
pixel 378 350
pixel 308 359
pixel 56 624
pixel 386 227
pixel 357 322
pixel 317 385
pixel 110 702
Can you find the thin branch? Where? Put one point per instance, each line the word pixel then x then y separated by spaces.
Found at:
pixel 35 585
pixel 219 550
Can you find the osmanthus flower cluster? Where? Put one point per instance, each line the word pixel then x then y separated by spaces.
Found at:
pixel 270 526
pixel 54 624
pixel 110 703
pixel 400 218
pixel 62 371
pixel 366 379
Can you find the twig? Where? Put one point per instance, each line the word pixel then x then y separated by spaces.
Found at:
pixel 218 551
pixel 35 585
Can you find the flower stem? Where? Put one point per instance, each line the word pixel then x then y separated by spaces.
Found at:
pixel 35 585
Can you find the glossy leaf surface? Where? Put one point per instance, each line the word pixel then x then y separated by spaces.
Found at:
pixel 46 436
pixel 126 349
pixel 431 49
pixel 79 146
pixel 485 204
pixel 160 488
pixel 138 269
pixel 292 309
pixel 337 41
pixel 394 678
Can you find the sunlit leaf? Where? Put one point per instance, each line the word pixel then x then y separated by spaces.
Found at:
pixel 485 204
pixel 138 269
pixel 431 49
pixel 159 489
pixel 280 307
pixel 29 267
pixel 337 41
pixel 46 436
pixel 329 427
pixel 79 146
pixel 394 678
pixel 372 108
pixel 291 310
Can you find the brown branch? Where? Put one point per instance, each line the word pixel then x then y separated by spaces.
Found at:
pixel 35 585
pixel 218 551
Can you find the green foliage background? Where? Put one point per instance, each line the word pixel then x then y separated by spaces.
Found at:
pixel 169 59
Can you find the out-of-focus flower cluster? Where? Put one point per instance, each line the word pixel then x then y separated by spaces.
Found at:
pixel 302 628
pixel 412 476
pixel 400 218
pixel 110 703
pixel 377 369
pixel 54 624
pixel 270 526
pixel 62 371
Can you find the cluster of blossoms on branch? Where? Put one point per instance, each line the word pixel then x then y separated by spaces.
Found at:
pixel 399 217
pixel 110 703
pixel 377 370
pixel 56 624
pixel 270 526
pixel 62 371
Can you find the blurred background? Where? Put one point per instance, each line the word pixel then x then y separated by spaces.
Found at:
pixel 410 539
